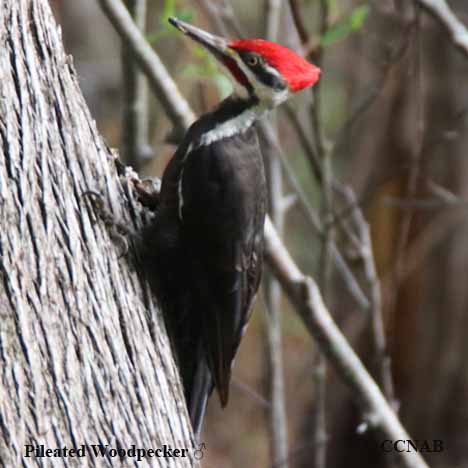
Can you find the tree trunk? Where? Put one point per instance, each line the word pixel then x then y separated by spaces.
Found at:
pixel 84 356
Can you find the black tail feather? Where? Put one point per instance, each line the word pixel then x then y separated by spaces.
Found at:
pixel 197 396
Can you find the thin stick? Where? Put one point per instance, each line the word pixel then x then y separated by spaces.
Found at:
pixel 313 218
pixel 363 245
pixel 412 183
pixel 320 423
pixel 135 126
pixel 305 295
pixel 278 420
pixel 358 233
pixel 442 13
pixel 164 87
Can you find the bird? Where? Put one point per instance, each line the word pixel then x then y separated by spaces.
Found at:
pixel 204 247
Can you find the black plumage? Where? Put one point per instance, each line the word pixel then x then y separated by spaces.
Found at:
pixel 205 250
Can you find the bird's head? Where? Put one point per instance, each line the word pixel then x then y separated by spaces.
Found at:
pixel 261 69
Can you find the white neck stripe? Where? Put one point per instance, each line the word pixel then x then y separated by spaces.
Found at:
pixel 238 124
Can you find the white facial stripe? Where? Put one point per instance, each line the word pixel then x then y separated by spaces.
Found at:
pixel 268 96
pixel 273 71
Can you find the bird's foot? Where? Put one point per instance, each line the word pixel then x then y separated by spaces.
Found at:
pixel 147 191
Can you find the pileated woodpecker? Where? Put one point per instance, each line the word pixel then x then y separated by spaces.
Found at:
pixel 206 243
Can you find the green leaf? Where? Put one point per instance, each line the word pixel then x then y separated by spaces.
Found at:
pixel 207 67
pixel 165 29
pixel 224 85
pixel 168 10
pixel 344 28
pixel 185 15
pixel 358 16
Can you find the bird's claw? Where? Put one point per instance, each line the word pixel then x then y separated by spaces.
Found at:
pixel 147 191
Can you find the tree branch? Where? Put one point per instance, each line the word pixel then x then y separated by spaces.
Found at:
pixel 363 245
pixel 441 11
pixel 278 420
pixel 161 82
pixel 314 219
pixel 135 126
pixel 325 274
pixel 305 295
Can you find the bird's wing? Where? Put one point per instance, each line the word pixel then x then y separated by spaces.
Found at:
pixel 222 215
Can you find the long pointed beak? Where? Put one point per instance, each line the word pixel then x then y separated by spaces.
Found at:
pixel 218 46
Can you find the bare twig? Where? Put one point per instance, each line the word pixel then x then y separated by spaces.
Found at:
pixel 251 393
pixel 304 294
pixel 358 234
pixel 314 219
pixel 303 135
pixel 164 87
pixel 223 17
pixel 320 421
pixel 212 10
pixel 442 12
pixel 393 286
pixel 297 18
pixel 135 145
pixel 363 245
pixel 312 46
pixel 272 18
pixel 278 419
pixel 433 235
pixel 412 182
pixel 394 57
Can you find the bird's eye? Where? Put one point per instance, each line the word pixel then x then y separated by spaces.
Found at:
pixel 252 61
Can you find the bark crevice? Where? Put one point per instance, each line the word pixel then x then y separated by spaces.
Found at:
pixel 84 356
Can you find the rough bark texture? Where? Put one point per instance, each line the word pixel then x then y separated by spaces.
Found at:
pixel 84 357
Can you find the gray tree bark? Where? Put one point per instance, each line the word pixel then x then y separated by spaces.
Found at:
pixel 84 356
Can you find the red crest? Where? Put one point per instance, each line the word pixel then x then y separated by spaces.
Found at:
pixel 297 71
